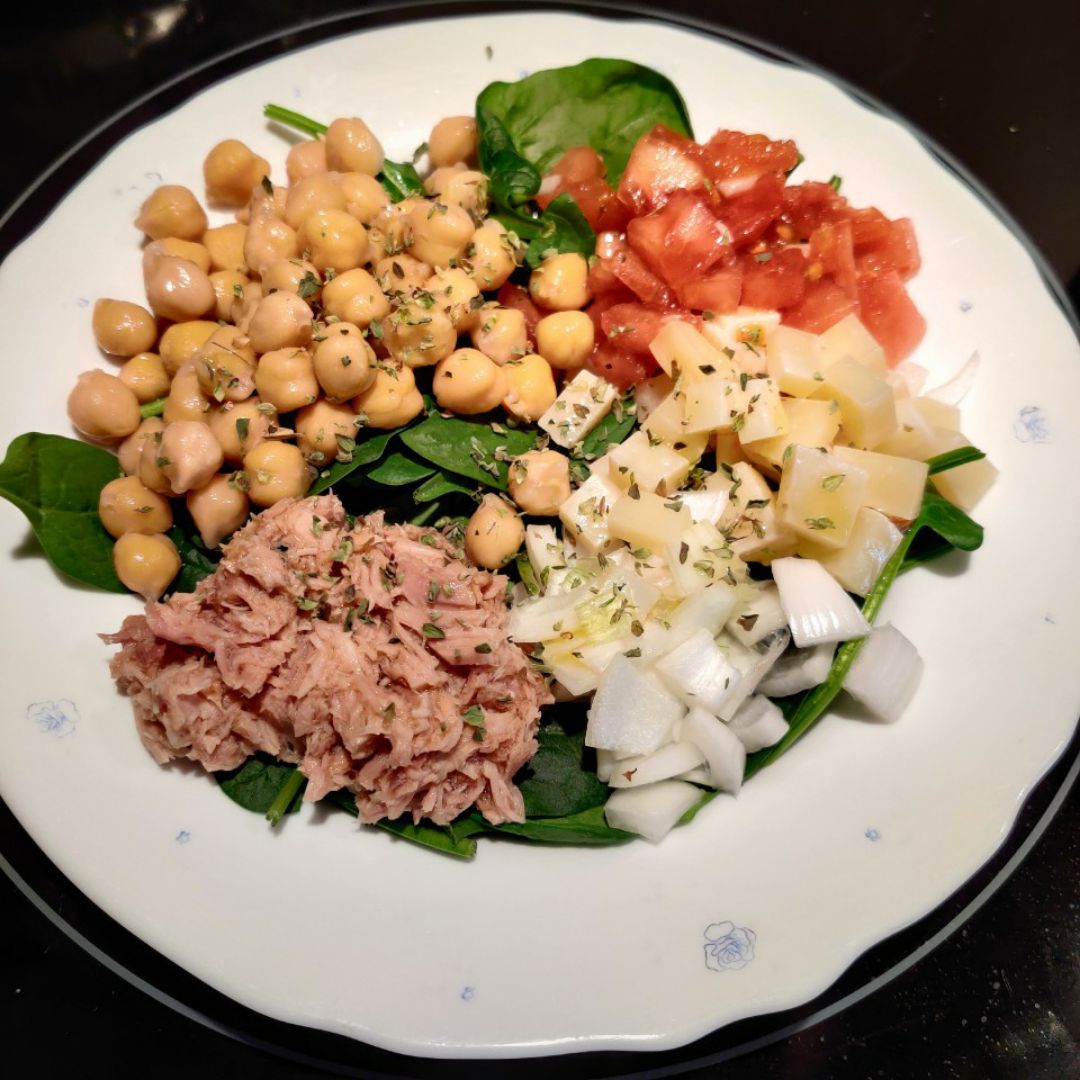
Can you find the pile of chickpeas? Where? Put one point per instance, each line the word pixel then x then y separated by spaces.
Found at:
pixel 268 342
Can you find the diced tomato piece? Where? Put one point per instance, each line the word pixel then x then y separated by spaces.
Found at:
pixel 601 279
pixel 599 204
pixel 809 206
pixel 660 163
pixel 885 245
pixel 623 369
pixel 606 300
pixel 889 314
pixel 681 241
pixel 717 292
pixel 823 304
pixel 732 157
pixel 748 216
pixel 626 265
pixel 773 279
pixel 516 296
pixel 832 246
pixel 579 163
pixel 632 327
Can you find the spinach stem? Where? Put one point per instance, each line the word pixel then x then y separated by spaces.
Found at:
pixel 953 459
pixel 426 514
pixel 284 798
pixel 152 408
pixel 294 119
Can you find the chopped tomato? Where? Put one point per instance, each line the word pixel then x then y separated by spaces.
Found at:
pixel 717 292
pixel 681 241
pixel 748 216
pixel 623 369
pixel 623 263
pixel 773 279
pixel 577 164
pixel 832 247
pixel 605 300
pixel 579 173
pixel 516 296
pixel 881 244
pixel 660 163
pixel 809 206
pixel 631 327
pixel 732 158
pixel 888 313
pixel 823 304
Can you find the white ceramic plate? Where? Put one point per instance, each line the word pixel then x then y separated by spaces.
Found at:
pixel 764 900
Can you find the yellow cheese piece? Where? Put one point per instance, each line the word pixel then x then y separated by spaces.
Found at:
pixel 820 495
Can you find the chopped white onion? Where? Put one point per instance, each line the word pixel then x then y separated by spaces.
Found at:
pixel 817 608
pixel 705 504
pixel 761 616
pixel 753 664
pixel 536 620
pixel 710 608
pixel 699 672
pixel 651 811
pixel 632 713
pixel 885 673
pixel 956 389
pixel 662 764
pixel 700 775
pixel 759 723
pixel 724 752
pixel 798 669
pixel 549 184
pixel 576 678
pixel 605 764
pixel 545 550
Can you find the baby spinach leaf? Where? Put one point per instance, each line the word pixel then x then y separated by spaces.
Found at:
pixel 605 104
pixel 587 827
pixel 562 228
pixel 611 431
pixel 453 839
pixel 399 469
pixel 953 459
pixel 400 180
pixel 367 450
pixel 467 447
pixel 437 486
pixel 55 482
pixel 294 120
pixel 512 180
pixel 557 782
pixel 260 782
pixel 195 562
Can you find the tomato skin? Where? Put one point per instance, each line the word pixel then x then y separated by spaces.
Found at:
pixel 832 246
pixel 682 240
pixel 627 266
pixel 748 216
pixel 888 312
pixel 606 300
pixel 886 245
pixel 577 164
pixel 823 304
pixel 631 327
pixel 776 282
pixel 730 157
pixel 660 163
pixel 809 206
pixel 622 369
pixel 516 296
pixel 717 292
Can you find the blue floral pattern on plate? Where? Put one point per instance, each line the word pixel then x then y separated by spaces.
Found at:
pixel 56 718
pixel 728 947
pixel 1031 425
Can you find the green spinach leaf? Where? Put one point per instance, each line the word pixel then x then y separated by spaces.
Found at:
pixel 611 431
pixel 399 469
pixel 453 839
pixel 400 180
pixel 586 827
pixel 195 562
pixel 468 447
pixel 439 485
pixel 55 482
pixel 557 782
pixel 562 228
pixel 261 782
pixel 367 451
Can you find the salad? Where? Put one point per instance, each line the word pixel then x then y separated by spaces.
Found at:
pixel 626 421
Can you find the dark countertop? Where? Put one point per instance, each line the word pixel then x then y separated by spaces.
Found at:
pixel 997 87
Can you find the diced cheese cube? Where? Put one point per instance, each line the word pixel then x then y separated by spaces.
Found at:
pixel 714 405
pixel 728 448
pixel 647 520
pixel 691 447
pixel 820 495
pixel 583 402
pixel 653 467
pixel 708 502
pixel 747 333
pixel 810 423
pixel 867 405
pixel 649 394
pixel 919 420
pixel 668 420
pixel 585 514
pixel 894 486
pixel 795 361
pixel 849 338
pixel 701 556
pixel 857 565
pixel 765 416
pixel 684 353
pixel 750 521
pixel 965 485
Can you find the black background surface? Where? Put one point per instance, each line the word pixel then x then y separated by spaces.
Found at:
pixel 996 85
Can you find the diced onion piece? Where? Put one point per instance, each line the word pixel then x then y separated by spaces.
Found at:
pixel 907 379
pixel 817 608
pixel 662 764
pixel 651 811
pixel 699 672
pixel 700 775
pixel 606 761
pixel 576 678
pixel 753 664
pixel 759 723
pixel 885 673
pixel 545 551
pixel 724 752
pixel 759 617
pixel 956 389
pixel 584 401
pixel 632 712
pixel 708 609
pixel 544 617
pixel 708 502
pixel 797 670
pixel 700 556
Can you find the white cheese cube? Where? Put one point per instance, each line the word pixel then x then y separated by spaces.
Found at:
pixel 849 338
pixel 819 496
pixel 585 514
pixel 583 402
pixel 654 467
pixel 744 334
pixel 765 416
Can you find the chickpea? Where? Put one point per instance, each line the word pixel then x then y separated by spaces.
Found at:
pixel 268 237
pixel 452 139
pixel 181 249
pixel 365 197
pixel 185 400
pixel 493 254
pixel 145 375
pixel 494 533
pixel 501 334
pixel 560 282
pixel 177 289
pixel 419 334
pixel 226 285
pixel 244 304
pixel 149 471
pixel 531 387
pixel 565 340
pixel 275 471
pixel 355 297
pixel 305 159
pixel 225 247
pixel 188 455
pixel 320 191
pixel 172 210
pixel 218 508
pixel 182 341
pixel 466 188
pixel 122 328
pixel 102 407
pixel 318 427
pixel 224 373
pixel 281 321
pixel 334 240
pixel 467 382
pixel 390 231
pixel 146 564
pixel 234 339
pixel 127 505
pixel 286 379
pixel 344 362
pixel 457 294
pixel 130 450
pixel 539 481
pixel 351 147
pixel 241 427
pixel 440 231
pixel 231 170
pixel 399 275
pixel 391 400
pixel 293 275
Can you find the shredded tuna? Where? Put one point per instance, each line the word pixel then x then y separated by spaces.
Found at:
pixel 369 654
